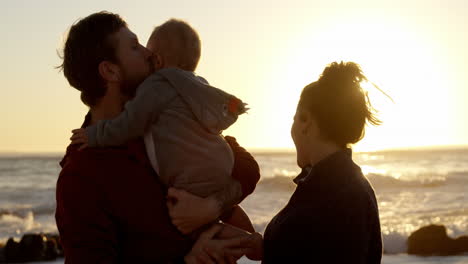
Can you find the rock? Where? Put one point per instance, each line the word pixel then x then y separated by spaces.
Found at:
pixel 433 240
pixel 2 255
pixel 55 239
pixel 32 247
pixel 12 251
pixel 50 253
pixel 461 244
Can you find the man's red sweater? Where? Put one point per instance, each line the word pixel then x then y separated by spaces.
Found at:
pixel 111 207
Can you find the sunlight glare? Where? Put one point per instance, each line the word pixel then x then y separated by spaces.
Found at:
pixel 392 56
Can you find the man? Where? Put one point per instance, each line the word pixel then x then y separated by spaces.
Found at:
pixel 111 207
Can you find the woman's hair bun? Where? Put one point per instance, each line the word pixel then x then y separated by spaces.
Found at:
pixel 342 75
pixel 338 103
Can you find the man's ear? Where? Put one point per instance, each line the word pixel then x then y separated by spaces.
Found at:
pixel 109 71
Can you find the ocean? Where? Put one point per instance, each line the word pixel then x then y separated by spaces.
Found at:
pixel 414 188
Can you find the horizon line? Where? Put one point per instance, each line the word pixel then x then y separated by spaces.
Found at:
pixel 270 150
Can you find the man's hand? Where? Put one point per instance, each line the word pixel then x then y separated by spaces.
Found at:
pixel 254 244
pixel 189 212
pixel 245 243
pixel 79 137
pixel 197 254
pixel 208 250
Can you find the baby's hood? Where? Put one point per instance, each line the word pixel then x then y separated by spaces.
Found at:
pixel 215 109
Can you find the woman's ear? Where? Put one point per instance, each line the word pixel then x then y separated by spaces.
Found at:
pixel 312 126
pixel 304 119
pixel 109 71
pixel 308 124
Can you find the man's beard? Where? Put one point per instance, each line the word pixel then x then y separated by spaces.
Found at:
pixel 129 85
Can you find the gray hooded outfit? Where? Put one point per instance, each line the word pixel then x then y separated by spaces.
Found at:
pixel 181 118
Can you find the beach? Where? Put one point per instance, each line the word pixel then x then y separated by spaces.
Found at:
pixel 388 259
pixel 414 188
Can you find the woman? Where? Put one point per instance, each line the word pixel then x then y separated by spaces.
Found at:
pixel 332 217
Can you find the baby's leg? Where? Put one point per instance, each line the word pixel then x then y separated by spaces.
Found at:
pixel 238 218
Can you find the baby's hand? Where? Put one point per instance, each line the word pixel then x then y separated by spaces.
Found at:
pixel 79 137
pixel 189 212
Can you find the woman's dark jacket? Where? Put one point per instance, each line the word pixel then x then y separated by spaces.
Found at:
pixel 332 217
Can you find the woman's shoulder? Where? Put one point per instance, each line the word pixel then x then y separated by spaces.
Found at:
pixel 337 172
pixel 351 176
pixel 358 194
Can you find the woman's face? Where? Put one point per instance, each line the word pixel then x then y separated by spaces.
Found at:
pixel 299 136
pixel 306 136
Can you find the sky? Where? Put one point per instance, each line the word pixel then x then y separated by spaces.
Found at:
pixel 264 52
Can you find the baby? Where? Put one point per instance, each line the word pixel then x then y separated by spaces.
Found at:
pixel 181 118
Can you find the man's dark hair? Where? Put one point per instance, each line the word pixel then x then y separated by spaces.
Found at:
pixel 89 42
